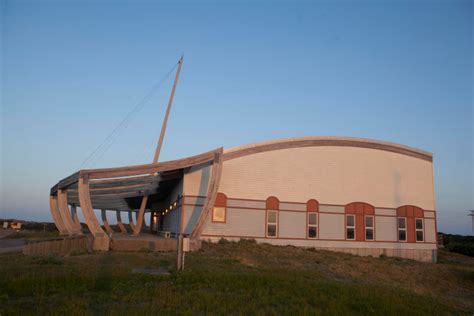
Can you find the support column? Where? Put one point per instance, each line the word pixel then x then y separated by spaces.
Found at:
pixel 101 240
pixel 53 205
pixel 141 216
pixel 108 229
pixel 120 224
pixel 65 213
pixel 75 219
pixel 130 220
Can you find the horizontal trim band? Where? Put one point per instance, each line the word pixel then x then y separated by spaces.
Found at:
pixel 298 203
pixel 313 239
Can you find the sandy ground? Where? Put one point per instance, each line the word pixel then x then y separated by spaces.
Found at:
pixel 10 245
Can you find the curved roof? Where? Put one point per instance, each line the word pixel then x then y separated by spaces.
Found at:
pixel 312 141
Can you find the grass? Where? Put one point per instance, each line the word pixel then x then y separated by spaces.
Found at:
pixel 236 278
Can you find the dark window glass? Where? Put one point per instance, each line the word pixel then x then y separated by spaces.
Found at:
pixel 271 230
pixel 419 235
pixel 369 221
pixel 402 235
pixel 350 220
pixel 369 234
pixel 312 232
pixel 419 224
pixel 350 233
pixel 312 219
pixel 401 223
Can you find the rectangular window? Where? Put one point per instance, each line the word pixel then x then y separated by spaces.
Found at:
pixel 312 225
pixel 402 229
pixel 350 227
pixel 272 223
pixel 218 215
pixel 419 229
pixel 369 228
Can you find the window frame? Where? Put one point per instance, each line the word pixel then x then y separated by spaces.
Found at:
pixel 422 229
pixel 225 215
pixel 308 225
pixel 267 223
pixel 348 227
pixel 404 229
pixel 369 228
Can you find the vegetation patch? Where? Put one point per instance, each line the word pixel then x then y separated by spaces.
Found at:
pixel 236 278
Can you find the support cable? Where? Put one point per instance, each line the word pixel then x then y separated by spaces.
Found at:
pixel 110 139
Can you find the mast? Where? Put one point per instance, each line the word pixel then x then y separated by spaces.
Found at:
pixel 165 120
pixel 141 212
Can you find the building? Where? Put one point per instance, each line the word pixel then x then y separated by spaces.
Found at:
pixel 353 195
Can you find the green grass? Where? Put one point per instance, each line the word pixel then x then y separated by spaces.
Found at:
pixel 236 278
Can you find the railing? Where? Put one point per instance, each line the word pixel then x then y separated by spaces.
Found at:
pixel 59 246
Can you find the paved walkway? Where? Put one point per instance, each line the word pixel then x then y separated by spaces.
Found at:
pixel 10 245
pixel 5 232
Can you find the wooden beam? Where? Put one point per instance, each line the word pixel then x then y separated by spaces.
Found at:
pixel 53 204
pixel 64 183
pixel 122 193
pixel 150 168
pixel 75 219
pixel 212 190
pixel 141 214
pixel 120 182
pixel 130 220
pixel 101 240
pixel 107 227
pixel 66 214
pixel 120 224
pixel 124 182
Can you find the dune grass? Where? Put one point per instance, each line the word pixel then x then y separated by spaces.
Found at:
pixel 236 278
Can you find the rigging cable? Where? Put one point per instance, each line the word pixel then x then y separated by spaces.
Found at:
pixel 109 140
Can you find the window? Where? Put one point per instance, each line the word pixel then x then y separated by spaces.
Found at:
pixel 411 223
pixel 350 227
pixel 369 228
pixel 313 225
pixel 402 229
pixel 219 211
pixel 419 229
pixel 272 223
pixel 218 214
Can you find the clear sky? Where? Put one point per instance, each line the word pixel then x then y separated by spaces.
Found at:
pixel 399 71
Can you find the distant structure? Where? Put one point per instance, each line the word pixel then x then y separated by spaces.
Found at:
pixel 361 196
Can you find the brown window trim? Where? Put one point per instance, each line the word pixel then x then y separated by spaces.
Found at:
pixel 353 227
pixel 308 225
pixel 273 205
pixel 221 201
pixel 373 228
pixel 405 229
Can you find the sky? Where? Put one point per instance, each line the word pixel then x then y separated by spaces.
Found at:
pixel 399 71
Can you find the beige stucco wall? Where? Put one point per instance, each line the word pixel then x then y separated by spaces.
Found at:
pixel 331 226
pixel 332 175
pixel 292 224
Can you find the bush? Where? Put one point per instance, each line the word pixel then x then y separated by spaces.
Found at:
pixel 459 244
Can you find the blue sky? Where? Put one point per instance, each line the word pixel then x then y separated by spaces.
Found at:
pixel 400 71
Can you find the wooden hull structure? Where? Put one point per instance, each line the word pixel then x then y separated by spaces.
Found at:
pixel 121 190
